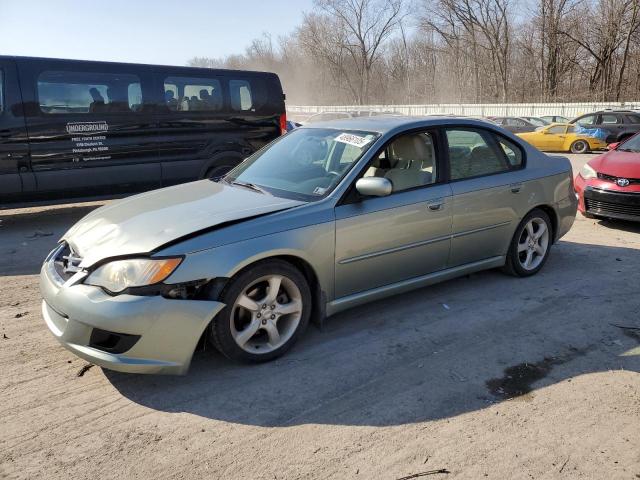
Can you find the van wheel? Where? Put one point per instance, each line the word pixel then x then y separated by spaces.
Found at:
pixel 268 307
pixel 579 146
pixel 530 245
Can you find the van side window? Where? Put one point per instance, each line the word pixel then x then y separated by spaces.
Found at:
pixel 241 99
pixel 187 94
pixel 1 91
pixel 88 92
pixel 134 94
pixel 473 153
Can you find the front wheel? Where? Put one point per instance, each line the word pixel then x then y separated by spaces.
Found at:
pixel 579 146
pixel 530 245
pixel 268 306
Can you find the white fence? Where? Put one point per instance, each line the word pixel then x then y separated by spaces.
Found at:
pixel 569 110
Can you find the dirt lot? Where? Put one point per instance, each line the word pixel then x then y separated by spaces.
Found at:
pixel 417 383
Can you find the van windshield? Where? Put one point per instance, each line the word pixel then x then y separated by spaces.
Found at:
pixel 306 164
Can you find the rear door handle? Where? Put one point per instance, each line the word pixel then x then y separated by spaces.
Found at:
pixel 515 187
pixel 436 205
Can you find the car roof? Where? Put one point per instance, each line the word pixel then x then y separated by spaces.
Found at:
pixel 387 123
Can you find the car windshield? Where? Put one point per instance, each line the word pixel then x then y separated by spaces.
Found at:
pixel 305 164
pixel 631 145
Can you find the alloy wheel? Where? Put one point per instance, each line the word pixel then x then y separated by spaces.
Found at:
pixel 533 243
pixel 266 314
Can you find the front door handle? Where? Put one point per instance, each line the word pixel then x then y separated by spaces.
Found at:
pixel 515 187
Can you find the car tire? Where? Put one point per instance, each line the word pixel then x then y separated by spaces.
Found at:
pixel 530 247
pixel 579 146
pixel 244 329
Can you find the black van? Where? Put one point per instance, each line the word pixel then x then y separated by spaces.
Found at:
pixel 71 128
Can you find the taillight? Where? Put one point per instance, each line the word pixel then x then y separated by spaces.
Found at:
pixel 283 124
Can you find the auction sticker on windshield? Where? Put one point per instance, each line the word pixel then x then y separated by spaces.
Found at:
pixel 351 139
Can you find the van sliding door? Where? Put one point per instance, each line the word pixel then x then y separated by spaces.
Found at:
pixel 90 127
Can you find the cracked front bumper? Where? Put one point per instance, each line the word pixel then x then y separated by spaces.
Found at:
pixel 168 329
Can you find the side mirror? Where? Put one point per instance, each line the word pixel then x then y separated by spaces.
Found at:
pixel 374 186
pixel 613 146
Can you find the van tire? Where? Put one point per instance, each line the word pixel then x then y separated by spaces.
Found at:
pixel 218 171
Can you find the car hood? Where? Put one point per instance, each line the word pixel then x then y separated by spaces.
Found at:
pixel 143 223
pixel 618 164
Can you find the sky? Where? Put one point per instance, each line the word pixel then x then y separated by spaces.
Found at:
pixel 142 31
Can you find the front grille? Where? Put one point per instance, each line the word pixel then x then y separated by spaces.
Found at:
pixel 611 178
pixel 66 262
pixel 599 207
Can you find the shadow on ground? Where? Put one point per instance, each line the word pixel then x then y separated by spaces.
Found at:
pixel 433 353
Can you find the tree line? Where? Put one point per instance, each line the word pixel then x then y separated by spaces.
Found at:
pixel 453 51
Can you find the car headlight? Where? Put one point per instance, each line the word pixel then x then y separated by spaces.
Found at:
pixel 587 172
pixel 119 275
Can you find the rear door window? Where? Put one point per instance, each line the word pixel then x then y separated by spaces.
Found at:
pixel 633 119
pixel 189 94
pixel 61 92
pixel 512 151
pixel 475 153
pixel 606 119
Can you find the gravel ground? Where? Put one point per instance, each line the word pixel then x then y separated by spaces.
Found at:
pixel 486 376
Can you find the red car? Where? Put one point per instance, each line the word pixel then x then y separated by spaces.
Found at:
pixel 609 185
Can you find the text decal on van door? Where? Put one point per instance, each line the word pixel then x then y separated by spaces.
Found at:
pixel 90 146
pixel 87 128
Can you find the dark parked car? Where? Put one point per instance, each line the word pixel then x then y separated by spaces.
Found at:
pixel 617 124
pixel 72 128
pixel 514 124
pixel 537 121
pixel 327 116
pixel 554 119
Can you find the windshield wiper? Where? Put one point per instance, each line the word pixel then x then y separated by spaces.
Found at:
pixel 251 186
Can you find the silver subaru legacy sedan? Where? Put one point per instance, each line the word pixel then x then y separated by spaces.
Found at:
pixel 323 219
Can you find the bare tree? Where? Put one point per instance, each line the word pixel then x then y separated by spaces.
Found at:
pixel 352 33
pixel 373 51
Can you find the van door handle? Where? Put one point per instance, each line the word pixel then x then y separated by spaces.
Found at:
pixel 515 187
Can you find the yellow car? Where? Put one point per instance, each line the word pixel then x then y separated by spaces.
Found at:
pixel 561 137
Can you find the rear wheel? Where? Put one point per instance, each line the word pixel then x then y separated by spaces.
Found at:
pixel 530 245
pixel 579 146
pixel 267 309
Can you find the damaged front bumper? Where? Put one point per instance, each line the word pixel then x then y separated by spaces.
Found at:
pixel 127 333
